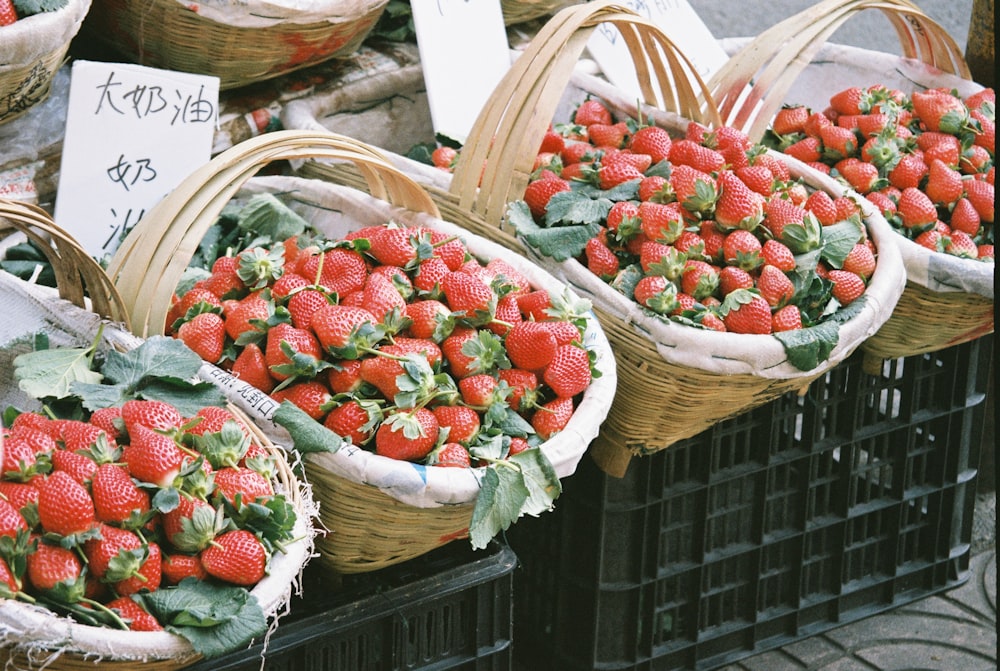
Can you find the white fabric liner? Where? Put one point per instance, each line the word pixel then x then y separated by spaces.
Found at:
pixel 34 37
pixel 336 210
pixel 38 632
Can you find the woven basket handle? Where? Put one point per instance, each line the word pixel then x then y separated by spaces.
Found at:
pixel 509 130
pixel 772 61
pixel 78 275
pixel 151 260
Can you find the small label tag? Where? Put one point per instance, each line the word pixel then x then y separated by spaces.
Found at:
pixel 464 54
pixel 133 133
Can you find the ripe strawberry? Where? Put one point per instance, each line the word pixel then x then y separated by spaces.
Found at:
pixel 790 119
pixel 861 175
pixel 310 396
pixel 135 616
pixel 56 571
pixel 352 421
pixel 339 270
pixel 205 334
pixel 156 415
pixel 653 141
pixel 20 461
pixel 530 345
pixel 699 157
pixel 18 494
pixel 177 567
pixel 552 417
pixel 301 341
pixel 8 13
pixel 909 172
pixel 808 149
pixel 940 111
pixel 251 367
pixel 192 524
pixel 751 316
pixel 117 499
pixel 80 467
pixel 788 318
pixel 931 239
pixel 11 520
pixel 469 296
pixel 981 195
pixel 852 100
pixel 336 326
pixel 847 286
pixel 656 293
pixel 944 185
pixel 104 418
pixel 152 457
pixel 462 422
pixel 381 297
pixel 775 286
pixel 699 279
pixel 965 218
pixel 758 178
pixel 236 557
pixel 838 142
pixel 450 455
pixel 444 157
pixel 737 206
pixel 568 374
pixel 778 254
pixel 613 173
pixel 523 387
pixel 884 203
pixel 408 436
pixel 741 248
pixel 591 111
pixel 661 223
pixel 732 278
pixel 605 135
pixel 695 190
pixel 916 209
pixel 65 506
pixel 478 390
pixel 600 259
pixel 241 485
pixel 860 261
pixel 146 576
pixel 960 244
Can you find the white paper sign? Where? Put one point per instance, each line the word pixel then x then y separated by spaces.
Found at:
pixel 678 21
pixel 464 54
pixel 132 134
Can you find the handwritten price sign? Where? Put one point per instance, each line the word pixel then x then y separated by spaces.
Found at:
pixel 132 134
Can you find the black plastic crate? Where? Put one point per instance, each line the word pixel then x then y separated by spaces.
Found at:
pixel 448 610
pixel 781 523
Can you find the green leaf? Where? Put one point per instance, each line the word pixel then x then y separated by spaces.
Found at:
pixel 838 241
pixel 512 424
pixel 52 372
pixel 541 480
pixel 159 356
pixel 215 619
pixel 265 215
pixel 560 243
pixel 570 207
pixel 498 505
pixel 187 397
pixel 307 434
pixel 30 7
pixel 808 348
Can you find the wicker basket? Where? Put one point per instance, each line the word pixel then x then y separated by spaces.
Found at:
pixel 31 51
pixel 233 41
pixel 519 11
pixel 674 381
pixel 948 300
pixel 378 511
pixel 33 637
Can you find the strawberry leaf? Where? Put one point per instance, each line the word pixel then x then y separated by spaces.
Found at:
pixel 52 372
pixel 265 215
pixel 838 241
pixel 215 619
pixel 307 434
pixel 541 480
pixel 560 243
pixel 579 207
pixel 808 348
pixel 498 505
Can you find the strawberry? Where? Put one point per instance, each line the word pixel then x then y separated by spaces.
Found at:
pixel 65 506
pixel 981 195
pixel 653 141
pixel 916 209
pixel 847 286
pixel 408 436
pixel 944 185
pixel 860 175
pixel 339 270
pixel 103 550
pixel 382 299
pixel 478 390
pixel 695 190
pixel 462 422
pixel 790 119
pixel 714 240
pixel 737 206
pixel 961 244
pixel 80 467
pixel 236 557
pixel 552 417
pixel 192 524
pixel 613 173
pixel 146 576
pixel 656 293
pixel 788 318
pixel 20 460
pixel 135 616
pixel 18 494
pixel 241 486
pixel 860 261
pixel 747 313
pixel 450 455
pixel 940 111
pixel 523 387
pixel 534 304
pixel 460 363
pixel 152 457
pixel 157 415
pixel 808 149
pixel 741 248
pixel 339 329
pixel 353 421
pixel 394 246
pixel 659 222
pixel 344 376
pixel 205 334
pixel 8 13
pixel 931 239
pixel 11 521
pixel 591 111
pixel 964 217
pixel 57 572
pixel 699 279
pixel 310 396
pixel 300 341
pixel 251 367
pixel 104 419
pixel 775 286
pixel 444 157
pixel 600 259
pixel 79 435
pixel 838 142
pixel 568 374
pixel 651 188
pixel 429 318
pixel 909 172
pixel 852 100
pixel 530 345
pixel 732 278
pixel 604 135
pixel 470 297
pixel 177 567
pixel 552 142
pixel 699 157
pixel 885 204
pixel 758 178
pixel 778 254
pixel 117 499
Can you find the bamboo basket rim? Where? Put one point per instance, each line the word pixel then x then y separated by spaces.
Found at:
pixel 49 636
pixel 771 61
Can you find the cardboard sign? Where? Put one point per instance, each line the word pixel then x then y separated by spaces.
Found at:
pixel 132 134
pixel 464 53
pixel 678 21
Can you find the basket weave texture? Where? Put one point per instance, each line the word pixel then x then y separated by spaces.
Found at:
pixel 233 42
pixel 948 300
pixel 377 511
pixel 31 51
pixel 32 637
pixel 674 381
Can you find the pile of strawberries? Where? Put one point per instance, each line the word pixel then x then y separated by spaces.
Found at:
pixel 96 513
pixel 925 160
pixel 708 229
pixel 396 339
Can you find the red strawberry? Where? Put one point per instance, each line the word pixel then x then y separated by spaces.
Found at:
pixel 961 244
pixel 699 279
pixel 343 270
pixel 176 567
pixel 656 293
pixel 534 304
pixel 113 542
pixel 251 367
pixel 788 318
pixel 523 385
pixel 847 286
pixel 807 150
pixel 790 119
pixel 460 363
pixel 150 414
pixel 468 295
pixel 697 156
pixel 20 460
pixel 851 100
pixel 775 287
pixel 964 217
pixel 732 278
pixel 940 111
pixel 737 206
pixel 651 188
pixel 301 341
pixel 568 374
pixel 838 142
pixel 860 261
pixel 478 390
pixel 612 173
pixel 336 326
pixel 741 248
pixel 931 239
pixel 380 297
pixel 236 557
pixel 117 499
pixel 104 418
pixel 552 417
pixel 944 185
pixel 591 111
pixel 695 190
pixel 758 178
pixel 552 142
pixel 981 195
pixel 11 521
pixel 18 494
pixel 909 172
pixel 600 259
pixel 310 396
pixel 530 345
pixel 65 506
pixel 80 467
pixel 778 254
pixel 749 313
pixel 407 436
pixel 245 483
pixel 916 209
pixel 153 457
pixel 652 141
pixel 192 524
pixel 135 616
pixel 352 421
pixel 659 222
pixel 603 135
pixel 57 571
pixel 8 13
pixel 146 576
pixel 344 376
pixel 462 422
pixel 450 455
pixel 205 334
pixel 429 319
pixel 861 175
